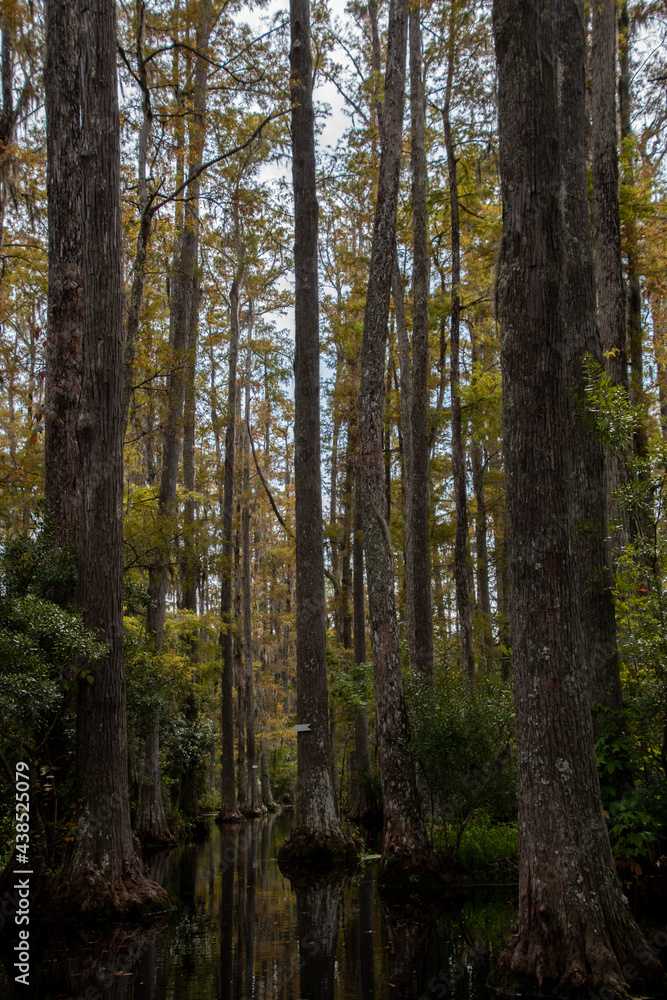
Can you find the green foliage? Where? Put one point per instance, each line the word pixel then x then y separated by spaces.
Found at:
pixel 462 744
pixel 636 812
pixel 489 850
pixel 282 765
pixel 164 687
pixel 30 564
pixel 350 684
pixel 41 642
pixel 187 744
pixel 608 407
pixel 45 652
pixel 632 763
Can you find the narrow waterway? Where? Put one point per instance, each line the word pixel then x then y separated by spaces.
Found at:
pixel 241 931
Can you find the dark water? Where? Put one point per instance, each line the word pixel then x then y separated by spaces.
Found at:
pixel 241 931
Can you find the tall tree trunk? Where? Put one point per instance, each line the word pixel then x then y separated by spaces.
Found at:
pixel 458 454
pixel 239 666
pixel 634 299
pixel 345 532
pixel 606 213
pixel 181 307
pixel 254 803
pixel 421 563
pixel 229 811
pixel 588 504
pixel 405 368
pixel 607 232
pixel 181 311
pixel 267 795
pixel 62 469
pixel 190 567
pixel 386 437
pixel 317 826
pixel 102 873
pixel 146 212
pixel 482 559
pixel 477 455
pixel 575 930
pixel 150 821
pixel 404 835
pixel 362 804
pixel 659 317
pixel 333 498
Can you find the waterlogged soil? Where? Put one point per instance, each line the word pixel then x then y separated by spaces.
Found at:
pixel 242 931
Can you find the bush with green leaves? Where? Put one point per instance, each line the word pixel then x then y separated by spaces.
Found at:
pixel 42 643
pixel 282 766
pixel 166 688
pixel 489 850
pixel 636 812
pixel 32 565
pixel 188 744
pixel 45 652
pixel 462 744
pixel 636 750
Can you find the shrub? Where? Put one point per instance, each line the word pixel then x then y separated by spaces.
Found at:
pixel 462 746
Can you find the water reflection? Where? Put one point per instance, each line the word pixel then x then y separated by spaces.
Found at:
pixel 243 931
pixel 318 913
pixel 407 934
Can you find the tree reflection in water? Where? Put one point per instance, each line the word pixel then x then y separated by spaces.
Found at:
pixel 407 932
pixel 242 931
pixel 318 913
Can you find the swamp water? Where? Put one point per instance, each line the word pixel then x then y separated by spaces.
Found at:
pixel 240 931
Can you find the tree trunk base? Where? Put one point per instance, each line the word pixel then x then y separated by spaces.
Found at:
pixel 156 838
pixel 310 851
pixel 254 813
pixel 229 816
pixel 95 897
pixel 526 967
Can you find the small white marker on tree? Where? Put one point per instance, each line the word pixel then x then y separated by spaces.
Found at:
pixel 302 727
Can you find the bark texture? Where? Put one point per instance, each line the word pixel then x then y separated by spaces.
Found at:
pixel 183 296
pixel 458 453
pixel 146 213
pixel 254 804
pixel 589 478
pixel 64 358
pixel 362 805
pixel 405 372
pixel 607 223
pixel 607 232
pixel 575 931
pixel 229 811
pixel 404 834
pixel 318 914
pixel 482 558
pixel 316 822
pixel 420 581
pixel 267 795
pixel 634 296
pixel 102 873
pixel 181 308
pixel 150 821
pixel 190 568
pixel 659 317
